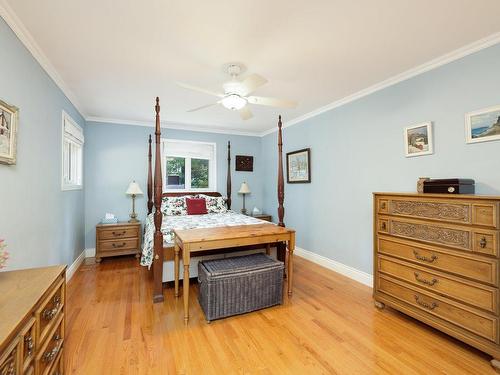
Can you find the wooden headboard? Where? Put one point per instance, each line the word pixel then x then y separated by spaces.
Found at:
pixel 182 193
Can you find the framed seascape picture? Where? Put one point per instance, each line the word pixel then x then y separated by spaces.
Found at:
pixel 418 140
pixel 298 166
pixel 8 133
pixel 483 125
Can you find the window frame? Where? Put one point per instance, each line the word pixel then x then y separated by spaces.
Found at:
pixel 212 166
pixel 76 140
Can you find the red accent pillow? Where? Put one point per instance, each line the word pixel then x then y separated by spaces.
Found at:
pixel 196 206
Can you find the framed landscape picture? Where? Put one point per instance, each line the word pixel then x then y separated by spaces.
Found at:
pixel 418 140
pixel 483 125
pixel 298 166
pixel 8 133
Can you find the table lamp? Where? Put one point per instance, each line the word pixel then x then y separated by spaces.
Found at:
pixel 133 190
pixel 244 190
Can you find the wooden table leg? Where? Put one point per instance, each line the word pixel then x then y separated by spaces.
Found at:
pixel 176 269
pixel 291 248
pixel 185 282
pixel 268 249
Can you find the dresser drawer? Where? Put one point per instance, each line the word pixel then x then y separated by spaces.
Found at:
pixel 119 245
pixel 481 324
pixel 58 366
pixel 477 268
pixel 455 212
pixel 50 311
pixel 474 294
pixel 118 233
pixel 451 210
pixel 9 360
pixel 29 344
pixel 482 241
pixel 50 351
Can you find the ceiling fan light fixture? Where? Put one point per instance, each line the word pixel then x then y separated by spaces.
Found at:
pixel 234 102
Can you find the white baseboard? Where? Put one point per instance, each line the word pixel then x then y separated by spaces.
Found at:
pixel 353 273
pixel 74 266
pixel 90 253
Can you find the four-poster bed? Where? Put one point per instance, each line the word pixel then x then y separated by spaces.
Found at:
pixel 230 223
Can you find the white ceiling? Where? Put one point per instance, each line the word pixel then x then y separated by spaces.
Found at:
pixel 115 56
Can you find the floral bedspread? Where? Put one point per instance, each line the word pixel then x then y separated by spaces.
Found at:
pixel 229 218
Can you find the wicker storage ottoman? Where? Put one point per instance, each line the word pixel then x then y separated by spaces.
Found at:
pixel 237 285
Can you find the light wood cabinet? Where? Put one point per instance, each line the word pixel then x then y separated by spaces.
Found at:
pixel 32 326
pixel 118 239
pixel 436 259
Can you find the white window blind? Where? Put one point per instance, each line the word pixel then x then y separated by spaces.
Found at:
pixel 72 154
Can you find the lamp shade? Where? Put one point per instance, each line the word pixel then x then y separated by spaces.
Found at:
pixel 134 189
pixel 244 189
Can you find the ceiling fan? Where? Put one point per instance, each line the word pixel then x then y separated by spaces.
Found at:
pixel 237 92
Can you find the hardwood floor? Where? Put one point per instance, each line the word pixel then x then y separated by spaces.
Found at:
pixel 329 326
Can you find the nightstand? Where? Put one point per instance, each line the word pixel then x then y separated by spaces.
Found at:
pixel 122 238
pixel 263 217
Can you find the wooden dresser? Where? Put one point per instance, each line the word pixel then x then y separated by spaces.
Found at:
pixel 122 238
pixel 436 258
pixel 32 321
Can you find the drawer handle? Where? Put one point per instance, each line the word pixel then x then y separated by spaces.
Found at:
pixel 483 242
pixel 117 246
pixel 424 258
pixel 50 355
pixel 119 233
pixel 424 281
pixel 425 304
pixel 29 345
pixel 382 205
pixel 383 226
pixel 48 314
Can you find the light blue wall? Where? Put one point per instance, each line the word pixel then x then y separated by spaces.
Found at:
pixel 117 154
pixel 41 224
pixel 358 148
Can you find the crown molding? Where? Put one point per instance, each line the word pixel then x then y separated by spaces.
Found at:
pixel 420 69
pixel 171 125
pixel 28 41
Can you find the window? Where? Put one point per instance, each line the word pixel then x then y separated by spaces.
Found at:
pixel 72 154
pixel 188 165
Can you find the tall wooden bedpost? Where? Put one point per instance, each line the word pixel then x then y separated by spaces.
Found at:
pixel 281 182
pixel 158 217
pixel 228 175
pixel 150 179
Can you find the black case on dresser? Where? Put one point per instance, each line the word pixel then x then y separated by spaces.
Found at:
pixel 450 186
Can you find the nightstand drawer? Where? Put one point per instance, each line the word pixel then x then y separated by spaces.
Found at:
pixel 118 233
pixel 118 245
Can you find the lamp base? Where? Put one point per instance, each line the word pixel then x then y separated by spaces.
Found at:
pixel 133 218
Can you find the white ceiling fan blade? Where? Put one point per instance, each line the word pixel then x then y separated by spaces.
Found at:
pixel 202 107
pixel 245 113
pixel 199 89
pixel 272 102
pixel 252 83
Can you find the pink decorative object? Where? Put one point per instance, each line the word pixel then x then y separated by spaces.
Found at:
pixel 4 255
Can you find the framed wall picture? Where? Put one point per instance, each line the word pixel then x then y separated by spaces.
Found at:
pixel 418 140
pixel 9 117
pixel 244 163
pixel 298 166
pixel 483 125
